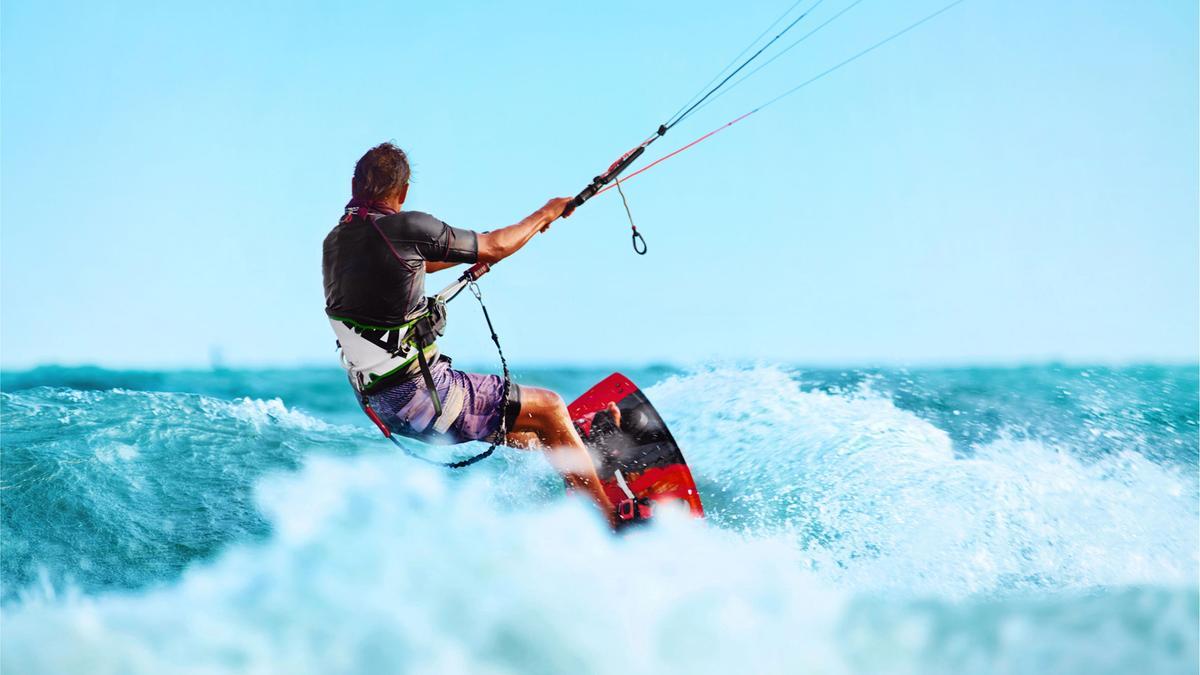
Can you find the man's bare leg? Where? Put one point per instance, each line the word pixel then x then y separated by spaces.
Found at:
pixel 544 413
pixel 529 440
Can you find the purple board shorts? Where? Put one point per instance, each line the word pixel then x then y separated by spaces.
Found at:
pixel 472 406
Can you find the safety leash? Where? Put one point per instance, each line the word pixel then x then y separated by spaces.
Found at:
pixel 501 431
pixel 448 465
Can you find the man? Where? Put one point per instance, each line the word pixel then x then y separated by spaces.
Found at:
pixel 374 264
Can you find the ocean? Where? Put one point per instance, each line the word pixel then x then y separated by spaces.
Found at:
pixel 1037 519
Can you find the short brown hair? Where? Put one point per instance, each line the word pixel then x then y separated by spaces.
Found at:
pixel 380 173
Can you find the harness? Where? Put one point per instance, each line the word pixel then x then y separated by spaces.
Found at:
pixel 411 341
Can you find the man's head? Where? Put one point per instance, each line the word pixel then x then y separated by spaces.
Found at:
pixel 381 175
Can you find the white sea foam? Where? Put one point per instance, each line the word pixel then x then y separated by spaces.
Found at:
pixel 262 413
pixel 378 565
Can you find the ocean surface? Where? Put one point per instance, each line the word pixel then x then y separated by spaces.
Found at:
pixel 1017 520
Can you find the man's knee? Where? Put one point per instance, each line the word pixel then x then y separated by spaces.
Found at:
pixel 543 405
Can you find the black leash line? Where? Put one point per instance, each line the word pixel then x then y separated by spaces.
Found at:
pixel 467 280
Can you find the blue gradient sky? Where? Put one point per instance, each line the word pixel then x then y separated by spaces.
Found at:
pixel 1016 181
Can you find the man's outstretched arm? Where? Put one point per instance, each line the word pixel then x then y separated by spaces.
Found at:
pixel 499 244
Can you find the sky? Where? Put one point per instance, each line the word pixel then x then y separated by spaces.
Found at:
pixel 1013 182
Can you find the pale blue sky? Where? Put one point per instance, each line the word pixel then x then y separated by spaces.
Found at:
pixel 1015 181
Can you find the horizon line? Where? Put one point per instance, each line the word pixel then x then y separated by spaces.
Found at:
pixel 849 364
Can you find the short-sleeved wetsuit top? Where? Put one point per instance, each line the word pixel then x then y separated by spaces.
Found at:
pixel 374 287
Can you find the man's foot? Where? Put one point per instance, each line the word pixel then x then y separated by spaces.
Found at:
pixel 615 412
pixel 603 423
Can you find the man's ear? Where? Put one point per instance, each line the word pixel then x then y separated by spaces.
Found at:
pixel 403 193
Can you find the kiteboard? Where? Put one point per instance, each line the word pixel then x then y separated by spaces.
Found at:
pixel 638 462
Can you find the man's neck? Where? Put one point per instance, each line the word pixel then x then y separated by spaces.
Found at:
pixel 385 206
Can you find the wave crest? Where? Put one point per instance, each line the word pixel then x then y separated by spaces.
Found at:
pixel 882 500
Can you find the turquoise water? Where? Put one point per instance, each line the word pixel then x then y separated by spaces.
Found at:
pixel 1027 520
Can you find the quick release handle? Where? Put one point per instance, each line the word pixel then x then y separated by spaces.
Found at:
pixel 477 270
pixel 465 279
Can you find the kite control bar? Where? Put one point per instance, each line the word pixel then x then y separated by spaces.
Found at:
pixel 611 173
pixel 604 179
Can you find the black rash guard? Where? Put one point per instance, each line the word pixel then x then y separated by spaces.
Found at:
pixel 369 283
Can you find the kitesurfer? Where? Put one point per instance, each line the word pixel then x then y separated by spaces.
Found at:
pixel 374 265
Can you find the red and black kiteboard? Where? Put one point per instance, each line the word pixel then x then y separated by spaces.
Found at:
pixel 638 462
